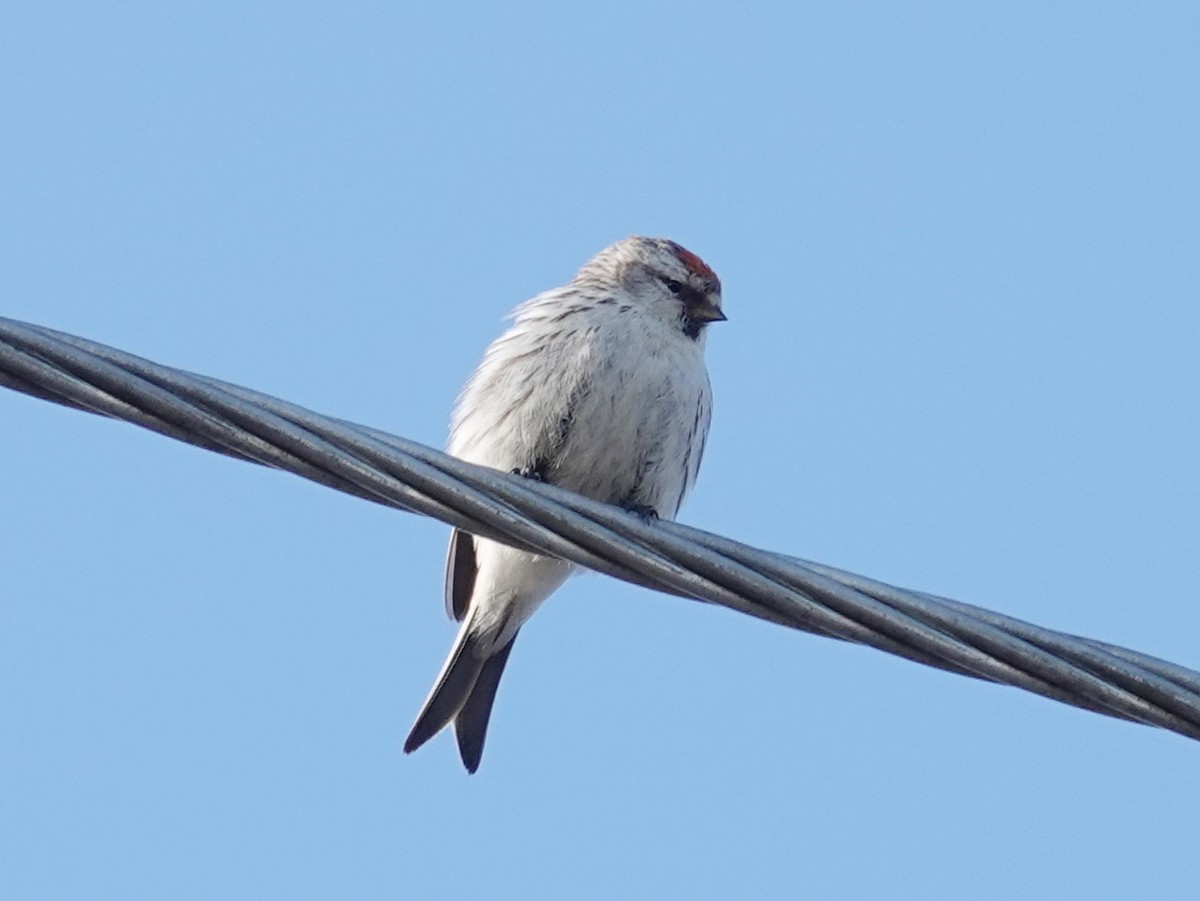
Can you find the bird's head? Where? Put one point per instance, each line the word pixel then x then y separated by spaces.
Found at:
pixel 663 279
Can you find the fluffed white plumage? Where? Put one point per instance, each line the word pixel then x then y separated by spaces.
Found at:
pixel 599 387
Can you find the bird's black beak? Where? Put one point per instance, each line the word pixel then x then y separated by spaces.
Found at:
pixel 707 312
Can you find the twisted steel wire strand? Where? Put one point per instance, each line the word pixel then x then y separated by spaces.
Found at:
pixel 665 556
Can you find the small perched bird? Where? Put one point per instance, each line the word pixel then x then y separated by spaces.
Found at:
pixel 599 387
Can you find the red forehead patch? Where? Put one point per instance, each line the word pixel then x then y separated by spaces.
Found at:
pixel 694 264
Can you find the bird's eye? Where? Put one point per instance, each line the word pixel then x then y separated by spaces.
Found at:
pixel 673 286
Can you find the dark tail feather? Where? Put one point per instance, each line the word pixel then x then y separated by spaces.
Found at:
pixel 450 692
pixel 471 722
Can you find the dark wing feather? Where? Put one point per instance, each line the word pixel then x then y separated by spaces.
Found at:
pixel 699 438
pixel 694 451
pixel 460 573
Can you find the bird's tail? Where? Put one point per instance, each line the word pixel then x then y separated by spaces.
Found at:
pixel 464 692
pixel 471 722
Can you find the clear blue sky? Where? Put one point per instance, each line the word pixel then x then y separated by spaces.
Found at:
pixel 961 251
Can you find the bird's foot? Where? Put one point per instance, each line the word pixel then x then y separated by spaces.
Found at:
pixel 644 512
pixel 530 472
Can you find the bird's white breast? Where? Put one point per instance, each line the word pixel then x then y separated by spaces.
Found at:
pixel 631 430
pixel 613 400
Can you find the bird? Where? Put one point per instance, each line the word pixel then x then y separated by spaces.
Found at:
pixel 599 387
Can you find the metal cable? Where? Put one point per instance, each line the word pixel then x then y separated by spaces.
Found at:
pixel 665 556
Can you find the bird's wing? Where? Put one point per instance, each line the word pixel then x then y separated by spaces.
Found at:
pixel 516 414
pixel 516 411
pixel 461 570
pixel 695 446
